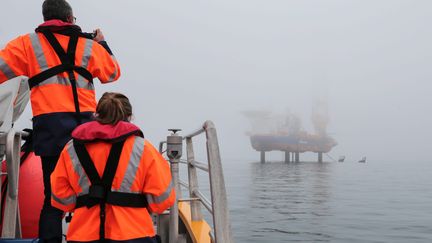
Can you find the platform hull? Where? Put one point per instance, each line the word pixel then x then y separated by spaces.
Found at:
pixel 292 143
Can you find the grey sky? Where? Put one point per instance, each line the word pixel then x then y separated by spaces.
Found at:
pixel 187 61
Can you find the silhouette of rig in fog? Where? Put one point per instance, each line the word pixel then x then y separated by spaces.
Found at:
pixel 284 133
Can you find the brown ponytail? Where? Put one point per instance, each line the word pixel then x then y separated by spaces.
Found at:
pixel 112 108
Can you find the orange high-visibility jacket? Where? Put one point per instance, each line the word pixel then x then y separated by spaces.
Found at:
pixel 52 100
pixel 141 170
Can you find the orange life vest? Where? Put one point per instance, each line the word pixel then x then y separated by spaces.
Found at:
pixel 141 170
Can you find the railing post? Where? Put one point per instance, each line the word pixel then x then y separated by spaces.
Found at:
pixel 13 99
pixel 222 226
pixel 174 153
pixel 2 153
pixel 196 214
pixel 12 226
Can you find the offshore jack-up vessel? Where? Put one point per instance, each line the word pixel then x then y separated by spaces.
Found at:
pixel 292 145
pixel 284 133
pixel 185 222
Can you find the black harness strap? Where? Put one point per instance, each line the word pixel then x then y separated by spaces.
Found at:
pixel 133 200
pixel 122 199
pixel 100 186
pixel 71 49
pixel 112 164
pixel 67 59
pixel 57 47
pixel 100 190
pixel 40 77
pixel 67 65
pixel 86 162
pixel 73 40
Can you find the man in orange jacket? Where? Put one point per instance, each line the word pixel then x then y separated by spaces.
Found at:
pixel 112 178
pixel 61 62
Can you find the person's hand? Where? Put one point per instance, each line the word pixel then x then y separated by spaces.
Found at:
pixel 98 35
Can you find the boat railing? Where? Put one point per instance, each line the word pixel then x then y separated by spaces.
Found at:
pixel 13 100
pixel 217 205
pixel 11 228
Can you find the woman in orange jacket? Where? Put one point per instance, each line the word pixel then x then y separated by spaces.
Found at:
pixel 111 178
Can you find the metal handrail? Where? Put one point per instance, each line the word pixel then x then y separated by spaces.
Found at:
pixel 184 184
pixel 200 165
pixel 217 206
pixel 198 131
pixel 14 96
pixel 207 204
pixel 11 228
pixel 183 161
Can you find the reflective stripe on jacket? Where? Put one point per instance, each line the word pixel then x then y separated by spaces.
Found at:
pixel 141 169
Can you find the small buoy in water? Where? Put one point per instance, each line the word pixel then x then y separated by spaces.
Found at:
pixel 362 160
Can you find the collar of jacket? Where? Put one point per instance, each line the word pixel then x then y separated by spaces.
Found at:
pixel 61 27
pixel 94 131
pixel 55 22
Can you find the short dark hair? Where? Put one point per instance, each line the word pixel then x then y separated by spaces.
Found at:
pixel 56 9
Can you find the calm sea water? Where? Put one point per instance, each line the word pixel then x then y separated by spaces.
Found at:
pixel 330 202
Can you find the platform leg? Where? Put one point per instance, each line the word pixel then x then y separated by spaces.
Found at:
pixel 287 157
pixel 320 158
pixel 262 156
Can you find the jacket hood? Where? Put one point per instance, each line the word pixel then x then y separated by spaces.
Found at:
pixel 61 27
pixel 94 131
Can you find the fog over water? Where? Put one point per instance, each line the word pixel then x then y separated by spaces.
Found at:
pixel 187 61
pixel 184 62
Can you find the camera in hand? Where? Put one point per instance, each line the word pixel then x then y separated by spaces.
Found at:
pixel 90 35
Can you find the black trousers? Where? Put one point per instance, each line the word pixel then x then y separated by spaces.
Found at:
pixel 50 221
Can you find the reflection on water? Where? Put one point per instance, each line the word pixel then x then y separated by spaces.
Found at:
pixel 330 202
pixel 285 195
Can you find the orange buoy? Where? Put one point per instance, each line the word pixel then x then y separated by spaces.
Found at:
pixel 30 194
